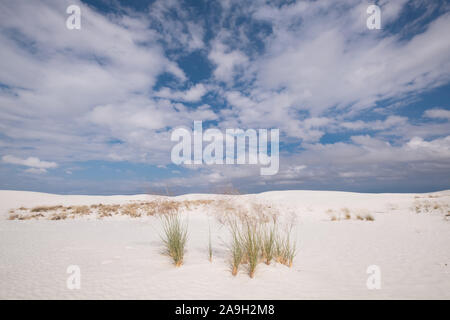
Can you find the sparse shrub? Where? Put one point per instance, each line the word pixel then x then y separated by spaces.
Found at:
pixel 426 206
pixel 369 217
pixel 45 208
pixel 174 237
pixel 168 207
pixel 150 208
pixel 108 210
pixel 346 212
pixel 58 216
pixel 14 216
pixel 80 210
pixel 131 210
pixel 359 217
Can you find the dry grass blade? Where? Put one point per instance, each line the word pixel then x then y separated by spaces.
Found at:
pixel 210 252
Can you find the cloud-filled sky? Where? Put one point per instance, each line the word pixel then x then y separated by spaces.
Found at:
pixel 90 111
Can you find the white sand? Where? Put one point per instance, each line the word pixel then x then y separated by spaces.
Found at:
pixel 120 257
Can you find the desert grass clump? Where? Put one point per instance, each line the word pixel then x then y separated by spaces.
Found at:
pixel 346 213
pixel 58 216
pixel 132 210
pixel 107 210
pixel 252 243
pixel 369 217
pixel 96 205
pixel 45 208
pixel 289 250
pixel 236 247
pixel 14 216
pixel 285 247
pixel 269 235
pixel 168 207
pixel 80 210
pixel 278 249
pixel 174 237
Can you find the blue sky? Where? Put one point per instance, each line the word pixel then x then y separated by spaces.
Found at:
pixel 90 111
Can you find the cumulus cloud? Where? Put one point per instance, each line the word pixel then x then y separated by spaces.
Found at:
pixel 227 61
pixel 36 165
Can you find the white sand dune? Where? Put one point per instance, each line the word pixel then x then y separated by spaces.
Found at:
pixel 120 257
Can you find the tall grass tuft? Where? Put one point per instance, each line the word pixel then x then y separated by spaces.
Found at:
pixel 285 247
pixel 269 235
pixel 278 248
pixel 251 239
pixel 236 248
pixel 254 241
pixel 289 250
pixel 174 237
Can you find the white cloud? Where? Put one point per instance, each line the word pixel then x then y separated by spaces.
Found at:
pixel 57 77
pixel 193 94
pixel 226 61
pixel 35 164
pixel 334 69
pixel 175 27
pixel 437 113
pixel 389 122
pixel 36 170
pixel 322 57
